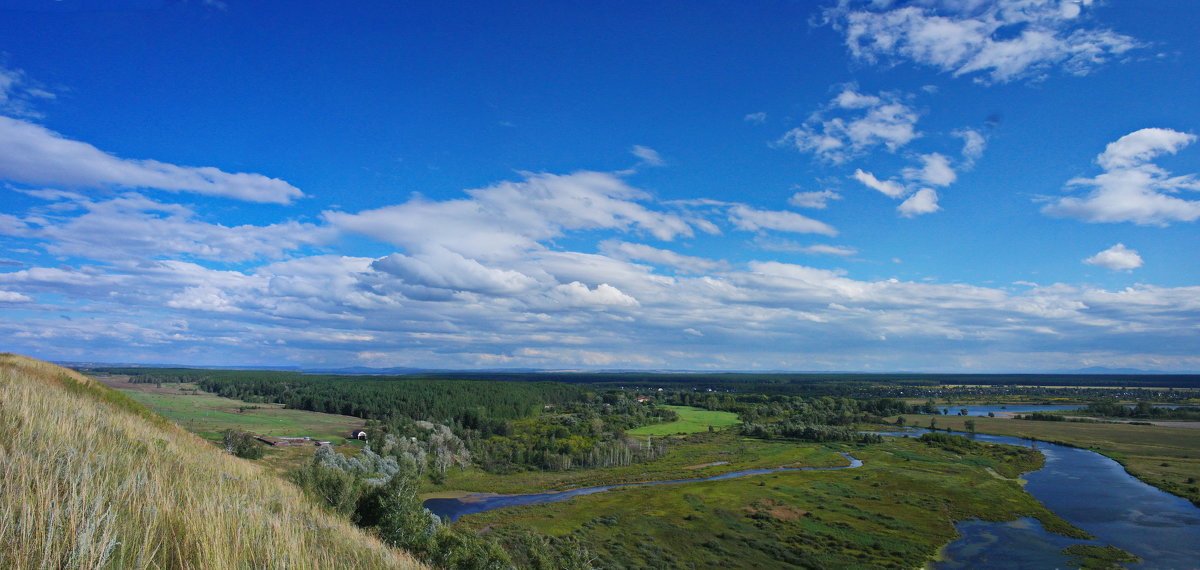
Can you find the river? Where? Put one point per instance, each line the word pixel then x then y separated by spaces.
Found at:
pixel 452 509
pixel 1093 493
pixel 1000 409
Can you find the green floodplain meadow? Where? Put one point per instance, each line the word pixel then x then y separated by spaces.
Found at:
pixel 896 511
pixel 691 420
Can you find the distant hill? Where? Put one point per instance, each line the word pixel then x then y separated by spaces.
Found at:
pixel 91 479
pixel 1106 370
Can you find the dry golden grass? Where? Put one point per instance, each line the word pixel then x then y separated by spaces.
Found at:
pixel 91 479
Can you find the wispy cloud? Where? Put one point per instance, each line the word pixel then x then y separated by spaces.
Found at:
pixel 996 41
pixel 20 95
pixel 647 155
pixel 792 246
pixel 889 188
pixel 854 123
pixel 756 118
pixel 33 154
pixel 818 200
pixel 624 250
pixel 974 144
pixel 751 219
pixel 132 226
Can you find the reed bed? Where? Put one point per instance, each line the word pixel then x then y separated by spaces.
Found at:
pixel 91 479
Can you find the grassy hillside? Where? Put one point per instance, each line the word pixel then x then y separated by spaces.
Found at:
pixel 91 479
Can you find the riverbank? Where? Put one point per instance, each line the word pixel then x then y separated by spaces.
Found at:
pixel 1167 458
pixel 1128 517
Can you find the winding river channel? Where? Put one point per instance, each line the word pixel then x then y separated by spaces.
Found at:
pixel 453 508
pixel 1085 488
pixel 1093 493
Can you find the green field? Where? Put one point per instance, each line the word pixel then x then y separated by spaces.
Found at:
pixel 1166 457
pixel 691 420
pixel 208 415
pixel 896 511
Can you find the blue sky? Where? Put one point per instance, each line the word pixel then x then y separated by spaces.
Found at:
pixel 874 185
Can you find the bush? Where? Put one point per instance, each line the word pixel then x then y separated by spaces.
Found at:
pixel 337 489
pixel 241 444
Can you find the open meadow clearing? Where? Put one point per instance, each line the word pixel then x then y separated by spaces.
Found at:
pixel 208 415
pixel 691 420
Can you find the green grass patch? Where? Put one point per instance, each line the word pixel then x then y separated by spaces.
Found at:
pixel 691 420
pixel 208 415
pixel 1100 557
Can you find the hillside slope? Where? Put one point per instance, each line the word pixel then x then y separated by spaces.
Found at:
pixel 91 479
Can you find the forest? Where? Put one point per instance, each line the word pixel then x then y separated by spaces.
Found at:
pixel 435 423
pixel 1141 410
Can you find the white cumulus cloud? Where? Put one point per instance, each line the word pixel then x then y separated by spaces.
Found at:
pixel 1139 147
pixel 1131 188
pixel 935 170
pixel 505 219
pixel 923 201
pixel 443 269
pixel 14 297
pixel 1116 258
pixel 578 295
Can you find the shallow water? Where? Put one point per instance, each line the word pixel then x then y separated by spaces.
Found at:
pixel 1022 543
pixel 1008 409
pixel 1024 408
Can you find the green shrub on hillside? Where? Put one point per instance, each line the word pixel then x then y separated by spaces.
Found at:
pixel 241 444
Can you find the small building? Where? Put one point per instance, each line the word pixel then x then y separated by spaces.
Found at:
pixel 358 434
pixel 643 399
